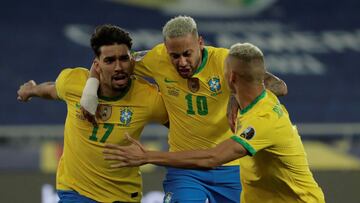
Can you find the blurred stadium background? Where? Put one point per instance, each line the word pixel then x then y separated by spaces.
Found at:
pixel 313 45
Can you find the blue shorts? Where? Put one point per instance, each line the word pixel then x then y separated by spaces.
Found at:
pixel 218 185
pixel 70 196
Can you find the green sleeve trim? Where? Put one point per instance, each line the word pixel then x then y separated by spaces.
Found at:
pixel 246 145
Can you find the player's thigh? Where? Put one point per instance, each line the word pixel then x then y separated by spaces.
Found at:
pixel 181 191
pixel 185 195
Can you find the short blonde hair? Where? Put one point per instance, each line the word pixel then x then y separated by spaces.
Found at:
pixel 246 52
pixel 179 26
pixel 253 56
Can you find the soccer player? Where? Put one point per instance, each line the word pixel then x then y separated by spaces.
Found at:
pixel 191 79
pixel 274 167
pixel 83 175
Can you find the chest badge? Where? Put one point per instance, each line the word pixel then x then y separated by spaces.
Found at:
pixel 126 114
pixel 104 112
pixel 214 84
pixel 193 84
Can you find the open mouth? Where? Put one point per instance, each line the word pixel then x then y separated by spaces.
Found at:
pixel 184 71
pixel 120 79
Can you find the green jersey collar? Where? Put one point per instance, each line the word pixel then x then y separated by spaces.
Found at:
pixel 256 100
pixel 203 61
pixel 123 93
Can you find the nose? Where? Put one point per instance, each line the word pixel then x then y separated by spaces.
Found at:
pixel 182 61
pixel 118 66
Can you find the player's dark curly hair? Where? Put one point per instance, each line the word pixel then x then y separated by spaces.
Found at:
pixel 108 35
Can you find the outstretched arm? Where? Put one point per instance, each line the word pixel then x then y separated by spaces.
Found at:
pixel 136 155
pixel 275 84
pixel 30 89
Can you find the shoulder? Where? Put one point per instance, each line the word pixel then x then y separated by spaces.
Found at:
pixel 74 73
pixel 216 55
pixel 157 50
pixel 270 108
pixel 153 56
pixel 217 51
pixel 71 80
pixel 141 84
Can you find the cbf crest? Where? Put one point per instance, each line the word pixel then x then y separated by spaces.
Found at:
pixel 104 112
pixel 126 115
pixel 214 85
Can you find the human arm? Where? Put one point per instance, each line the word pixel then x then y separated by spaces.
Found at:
pixel 135 155
pixel 232 111
pixel 30 89
pixel 275 84
pixel 89 100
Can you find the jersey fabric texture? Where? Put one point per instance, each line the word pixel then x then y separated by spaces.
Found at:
pixel 82 167
pixel 276 169
pixel 198 119
pixel 197 114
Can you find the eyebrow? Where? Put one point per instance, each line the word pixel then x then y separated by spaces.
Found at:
pixel 120 56
pixel 185 52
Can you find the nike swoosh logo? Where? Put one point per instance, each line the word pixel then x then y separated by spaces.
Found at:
pixel 170 81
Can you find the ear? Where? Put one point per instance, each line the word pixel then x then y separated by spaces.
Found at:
pixel 96 65
pixel 132 62
pixel 232 77
pixel 201 42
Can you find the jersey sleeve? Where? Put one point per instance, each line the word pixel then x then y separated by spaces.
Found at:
pixel 71 81
pixel 158 109
pixel 254 134
pixel 61 82
pixel 141 67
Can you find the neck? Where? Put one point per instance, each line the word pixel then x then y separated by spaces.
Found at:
pixel 200 61
pixel 247 93
pixel 106 91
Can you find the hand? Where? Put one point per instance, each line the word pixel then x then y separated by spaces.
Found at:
pixel 25 91
pixel 90 117
pixel 231 113
pixel 94 70
pixel 131 155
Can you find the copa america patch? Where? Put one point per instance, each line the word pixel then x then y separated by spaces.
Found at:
pixel 168 197
pixel 248 133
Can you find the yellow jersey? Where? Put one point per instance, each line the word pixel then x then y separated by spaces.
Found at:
pixel 82 166
pixel 276 169
pixel 197 114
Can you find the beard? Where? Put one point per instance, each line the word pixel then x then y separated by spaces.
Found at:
pixel 120 82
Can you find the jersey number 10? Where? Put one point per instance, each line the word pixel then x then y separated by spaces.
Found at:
pixel 201 104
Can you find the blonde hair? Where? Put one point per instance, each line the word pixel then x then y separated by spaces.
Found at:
pixel 251 55
pixel 179 26
pixel 246 52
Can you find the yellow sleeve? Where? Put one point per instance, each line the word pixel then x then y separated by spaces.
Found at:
pixel 71 81
pixel 141 69
pixel 159 113
pixel 61 81
pixel 255 134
